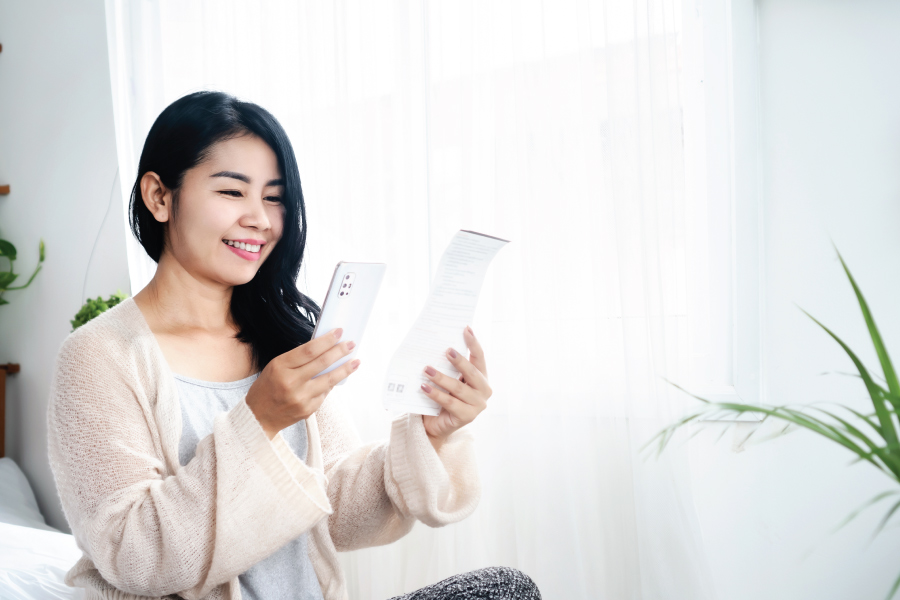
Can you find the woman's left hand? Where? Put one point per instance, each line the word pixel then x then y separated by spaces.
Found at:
pixel 465 397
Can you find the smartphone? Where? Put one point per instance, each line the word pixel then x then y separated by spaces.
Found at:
pixel 348 304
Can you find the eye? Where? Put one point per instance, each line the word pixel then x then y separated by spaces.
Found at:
pixel 274 198
pixel 233 193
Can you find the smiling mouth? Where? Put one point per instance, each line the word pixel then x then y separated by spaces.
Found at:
pixel 243 246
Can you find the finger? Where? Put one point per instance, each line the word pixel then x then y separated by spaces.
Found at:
pixel 325 360
pixel 319 400
pixel 471 375
pixel 476 352
pixel 311 350
pixel 459 411
pixel 455 387
pixel 324 384
pixel 343 372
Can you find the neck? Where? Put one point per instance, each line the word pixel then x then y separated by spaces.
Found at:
pixel 177 301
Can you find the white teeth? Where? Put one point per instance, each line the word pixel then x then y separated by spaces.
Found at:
pixel 244 246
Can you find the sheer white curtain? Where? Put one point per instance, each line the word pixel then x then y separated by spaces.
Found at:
pixel 556 125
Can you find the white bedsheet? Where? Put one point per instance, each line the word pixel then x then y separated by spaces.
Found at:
pixel 34 557
pixel 33 563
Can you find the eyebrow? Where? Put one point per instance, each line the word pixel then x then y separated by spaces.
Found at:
pixel 244 178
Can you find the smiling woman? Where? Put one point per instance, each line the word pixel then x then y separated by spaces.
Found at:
pixel 241 175
pixel 193 449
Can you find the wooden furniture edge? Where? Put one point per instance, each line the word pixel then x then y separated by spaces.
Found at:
pixel 7 369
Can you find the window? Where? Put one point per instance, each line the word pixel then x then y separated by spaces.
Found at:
pixel 723 181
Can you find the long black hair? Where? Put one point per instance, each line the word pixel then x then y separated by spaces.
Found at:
pixel 272 315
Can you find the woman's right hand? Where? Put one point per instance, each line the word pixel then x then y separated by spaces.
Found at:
pixel 285 392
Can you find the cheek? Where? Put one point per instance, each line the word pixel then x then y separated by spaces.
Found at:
pixel 200 224
pixel 276 219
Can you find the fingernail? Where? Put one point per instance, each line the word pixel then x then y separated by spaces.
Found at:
pixel 469 329
pixel 355 364
pixel 431 372
pixel 338 333
pixel 451 353
pixel 426 388
pixel 351 346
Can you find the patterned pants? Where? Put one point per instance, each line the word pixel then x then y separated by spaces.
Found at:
pixel 492 583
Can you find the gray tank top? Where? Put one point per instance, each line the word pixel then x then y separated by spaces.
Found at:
pixel 288 573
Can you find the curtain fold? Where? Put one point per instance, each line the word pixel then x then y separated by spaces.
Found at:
pixel 556 125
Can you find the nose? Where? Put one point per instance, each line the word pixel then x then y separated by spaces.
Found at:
pixel 256 216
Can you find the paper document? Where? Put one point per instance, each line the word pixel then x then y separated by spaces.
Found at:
pixel 449 308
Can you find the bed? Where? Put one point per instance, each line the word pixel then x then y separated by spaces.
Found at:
pixel 34 557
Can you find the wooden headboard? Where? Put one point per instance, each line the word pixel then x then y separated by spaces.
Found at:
pixel 5 370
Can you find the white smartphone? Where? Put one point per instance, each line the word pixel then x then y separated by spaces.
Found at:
pixel 348 304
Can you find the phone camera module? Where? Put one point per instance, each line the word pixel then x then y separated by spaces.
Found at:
pixel 347 284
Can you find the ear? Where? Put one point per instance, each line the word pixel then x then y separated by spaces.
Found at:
pixel 157 198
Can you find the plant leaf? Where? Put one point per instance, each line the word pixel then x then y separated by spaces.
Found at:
pixel 30 279
pixel 800 419
pixel 859 510
pixel 890 460
pixel 890 375
pixel 866 418
pixel 815 425
pixel 889 432
pixel 894 588
pixel 6 278
pixel 7 250
pixel 886 518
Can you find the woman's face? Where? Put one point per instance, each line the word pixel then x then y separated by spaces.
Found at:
pixel 230 213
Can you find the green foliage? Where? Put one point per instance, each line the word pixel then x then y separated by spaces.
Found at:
pixel 92 308
pixel 8 251
pixel 872 438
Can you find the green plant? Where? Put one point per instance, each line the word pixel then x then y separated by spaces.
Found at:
pixel 8 251
pixel 93 308
pixel 872 438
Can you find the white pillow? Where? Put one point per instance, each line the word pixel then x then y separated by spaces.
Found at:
pixel 17 503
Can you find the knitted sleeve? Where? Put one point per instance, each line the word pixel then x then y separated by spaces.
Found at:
pixel 148 531
pixel 379 489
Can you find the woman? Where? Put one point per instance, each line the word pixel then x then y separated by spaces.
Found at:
pixel 194 453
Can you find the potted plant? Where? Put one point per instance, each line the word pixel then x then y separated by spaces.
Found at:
pixel 93 308
pixel 872 438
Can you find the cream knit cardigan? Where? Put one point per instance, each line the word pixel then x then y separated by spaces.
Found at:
pixel 150 527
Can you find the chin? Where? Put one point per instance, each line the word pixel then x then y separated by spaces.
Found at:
pixel 234 277
pixel 242 280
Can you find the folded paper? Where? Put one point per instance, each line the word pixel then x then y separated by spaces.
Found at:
pixel 449 308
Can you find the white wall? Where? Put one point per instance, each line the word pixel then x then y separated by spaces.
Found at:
pixel 830 78
pixel 58 153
